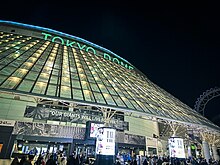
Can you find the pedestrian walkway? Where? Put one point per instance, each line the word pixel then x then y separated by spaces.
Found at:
pixel 5 161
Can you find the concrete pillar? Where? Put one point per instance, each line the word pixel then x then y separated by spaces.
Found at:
pixel 206 150
pixel 214 152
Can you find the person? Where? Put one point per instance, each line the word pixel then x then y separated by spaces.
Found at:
pixel 23 159
pixel 59 157
pixel 81 159
pixel 51 161
pixel 77 160
pixel 63 161
pixel 135 162
pixel 87 161
pixel 29 161
pixel 159 161
pixel 40 161
pixel 145 162
pixel 15 161
pixel 71 160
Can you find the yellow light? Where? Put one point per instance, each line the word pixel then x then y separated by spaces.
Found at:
pixel 65 79
pixel 65 88
pixel 80 69
pixel 44 74
pixel 39 51
pixel 47 68
pixel 41 84
pixel 74 50
pixel 106 95
pixel 96 78
pixel 123 98
pixel 53 54
pixel 93 72
pixel 84 82
pixel 51 58
pixel 15 79
pixel 81 75
pixel 16 55
pixel 33 59
pixel 28 63
pixel 23 70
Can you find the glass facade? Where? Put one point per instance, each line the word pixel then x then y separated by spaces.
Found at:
pixel 33 64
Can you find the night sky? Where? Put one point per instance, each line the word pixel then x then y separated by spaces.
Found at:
pixel 175 45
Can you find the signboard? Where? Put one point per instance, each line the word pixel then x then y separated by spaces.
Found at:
pixel 41 113
pixel 9 123
pixel 94 129
pixel 176 147
pixel 43 129
pixel 105 141
pixel 80 46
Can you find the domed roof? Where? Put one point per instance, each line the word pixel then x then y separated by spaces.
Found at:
pixel 43 62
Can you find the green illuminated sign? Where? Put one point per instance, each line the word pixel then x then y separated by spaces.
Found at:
pixel 84 47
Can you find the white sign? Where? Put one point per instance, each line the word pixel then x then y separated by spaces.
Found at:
pixel 94 129
pixel 9 123
pixel 105 141
pixel 176 147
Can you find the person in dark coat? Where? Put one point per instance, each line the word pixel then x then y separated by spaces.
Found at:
pixel 40 161
pixel 30 159
pixel 145 162
pixel 71 160
pixel 51 161
pixel 23 159
pixel 135 162
pixel 15 161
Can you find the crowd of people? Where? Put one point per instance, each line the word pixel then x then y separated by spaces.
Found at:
pixel 52 159
pixel 74 159
pixel 158 160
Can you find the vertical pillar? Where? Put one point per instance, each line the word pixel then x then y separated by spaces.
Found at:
pixel 206 150
pixel 189 151
pixel 7 141
pixel 214 152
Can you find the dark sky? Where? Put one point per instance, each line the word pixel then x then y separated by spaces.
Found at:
pixel 175 45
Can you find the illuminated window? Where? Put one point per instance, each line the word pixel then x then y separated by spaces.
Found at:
pixel 65 92
pixel 51 90
pixel 119 101
pixel 103 88
pixel 2 78
pixel 25 86
pixel 88 95
pixel 11 82
pixel 94 87
pixel 20 73
pixel 8 70
pixel 127 102
pixel 32 75
pixel 77 94
pixel 109 99
pixel 53 79
pixel 39 88
pixel 43 77
pixel 99 98
pixel 76 84
pixel 85 85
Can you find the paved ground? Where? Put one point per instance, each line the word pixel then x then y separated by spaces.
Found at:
pixel 5 161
